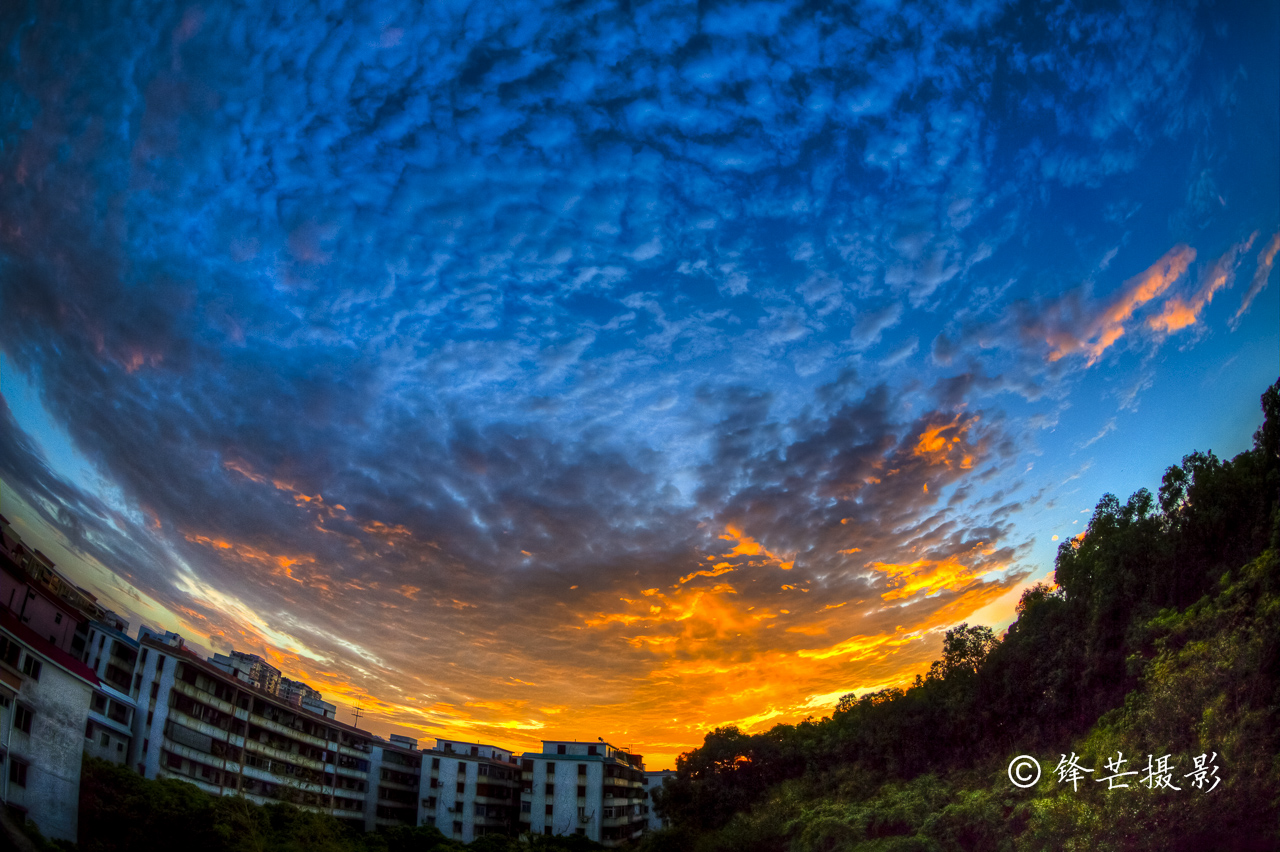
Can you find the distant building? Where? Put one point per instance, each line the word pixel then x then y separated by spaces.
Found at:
pixel 469 789
pixel 654 781
pixel 591 789
pixel 249 668
pixel 165 637
pixel 301 695
pixel 44 707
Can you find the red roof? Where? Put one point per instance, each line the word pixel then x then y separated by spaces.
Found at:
pixel 10 622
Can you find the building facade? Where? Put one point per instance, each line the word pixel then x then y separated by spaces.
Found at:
pixel 653 782
pixel 44 707
pixel 202 724
pixel 113 656
pixel 469 789
pixel 591 789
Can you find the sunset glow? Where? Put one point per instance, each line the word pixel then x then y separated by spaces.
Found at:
pixel 526 373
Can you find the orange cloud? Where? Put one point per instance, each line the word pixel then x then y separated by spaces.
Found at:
pixel 276 563
pixel 1177 312
pixel 942 443
pixel 1108 326
pixel 747 546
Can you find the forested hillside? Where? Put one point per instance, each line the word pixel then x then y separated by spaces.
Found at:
pixel 1160 639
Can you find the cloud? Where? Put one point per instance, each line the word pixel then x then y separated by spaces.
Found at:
pixel 1179 312
pixel 1093 333
pixel 1266 259
pixel 408 344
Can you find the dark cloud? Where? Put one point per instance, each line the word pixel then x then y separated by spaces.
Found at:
pixel 391 325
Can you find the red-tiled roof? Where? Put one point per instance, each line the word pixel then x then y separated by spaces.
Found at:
pixel 10 622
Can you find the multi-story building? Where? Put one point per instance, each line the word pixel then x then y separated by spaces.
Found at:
pixel 113 656
pixel 302 695
pixel 394 780
pixel 200 723
pixel 653 781
pixel 249 668
pixel 591 789
pixel 44 706
pixel 43 600
pixel 469 789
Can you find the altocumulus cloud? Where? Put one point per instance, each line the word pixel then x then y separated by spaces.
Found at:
pixel 499 359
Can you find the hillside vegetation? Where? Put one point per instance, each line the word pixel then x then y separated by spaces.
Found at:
pixel 1162 638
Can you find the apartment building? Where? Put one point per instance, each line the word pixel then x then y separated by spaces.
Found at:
pixel 200 723
pixel 249 668
pixel 469 789
pixel 653 781
pixel 592 789
pixel 302 695
pixel 44 707
pixel 112 655
pixel 394 780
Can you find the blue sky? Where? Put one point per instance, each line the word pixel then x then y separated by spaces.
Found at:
pixel 445 352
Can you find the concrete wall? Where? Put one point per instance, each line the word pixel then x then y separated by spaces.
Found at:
pixel 59 704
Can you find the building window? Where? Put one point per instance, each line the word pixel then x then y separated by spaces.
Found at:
pixel 582 769
pixel 591 750
pixel 9 651
pixel 88 730
pixel 119 747
pixel 526 807
pixel 105 740
pixel 462 786
pixel 155 690
pixel 435 763
pixel 22 719
pixel 18 773
pixel 159 664
pixel 561 750
pixel 551 789
pixel 57 618
pixel 582 791
pixel 549 810
pixel 31 666
pixel 457 827
pixel 150 715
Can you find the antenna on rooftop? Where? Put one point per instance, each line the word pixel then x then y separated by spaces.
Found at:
pixel 356 712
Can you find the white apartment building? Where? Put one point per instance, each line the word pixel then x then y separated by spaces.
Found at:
pixel 44 707
pixel 201 724
pixel 113 656
pixel 591 789
pixel 468 789
pixel 654 781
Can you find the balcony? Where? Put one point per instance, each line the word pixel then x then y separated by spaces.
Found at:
pixel 284 756
pixel 184 688
pixel 204 727
pixel 285 730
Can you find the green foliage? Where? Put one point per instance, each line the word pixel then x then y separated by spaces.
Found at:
pixel 121 812
pixel 1159 639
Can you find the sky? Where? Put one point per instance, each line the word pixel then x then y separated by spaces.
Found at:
pixel 559 371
